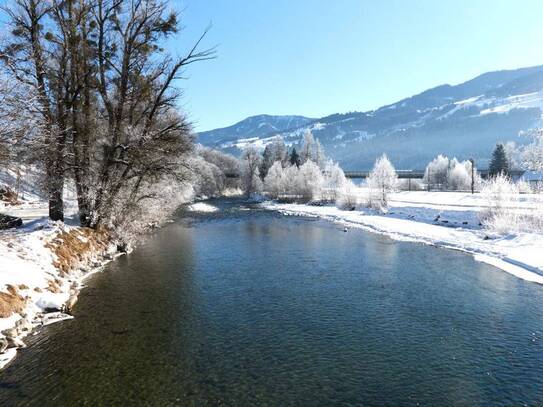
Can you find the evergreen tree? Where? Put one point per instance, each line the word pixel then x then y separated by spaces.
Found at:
pixel 294 158
pixel 268 158
pixel 499 163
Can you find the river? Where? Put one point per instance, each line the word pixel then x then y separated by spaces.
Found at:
pixel 246 307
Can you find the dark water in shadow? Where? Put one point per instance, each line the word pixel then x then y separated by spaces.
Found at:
pixel 248 308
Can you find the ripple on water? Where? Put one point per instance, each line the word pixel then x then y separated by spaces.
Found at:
pixel 248 308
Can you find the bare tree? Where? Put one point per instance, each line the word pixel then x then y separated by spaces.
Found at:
pixel 250 175
pixel 106 91
pixel 135 85
pixel 35 62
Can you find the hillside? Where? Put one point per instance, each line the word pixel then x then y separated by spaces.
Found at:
pixel 464 120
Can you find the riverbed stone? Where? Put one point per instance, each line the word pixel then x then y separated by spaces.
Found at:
pixel 3 345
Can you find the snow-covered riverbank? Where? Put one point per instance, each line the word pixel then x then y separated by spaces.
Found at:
pixel 42 268
pixel 441 219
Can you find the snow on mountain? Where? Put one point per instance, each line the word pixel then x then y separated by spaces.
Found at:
pixel 464 120
pixel 254 127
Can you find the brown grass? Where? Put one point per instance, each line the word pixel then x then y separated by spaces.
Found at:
pixel 53 287
pixel 71 251
pixel 11 302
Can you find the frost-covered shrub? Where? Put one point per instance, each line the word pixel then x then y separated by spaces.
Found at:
pixel 524 187
pixel 207 179
pixel 409 185
pixel 450 174
pixel 347 197
pixel 502 214
pixel 381 181
pixel 159 200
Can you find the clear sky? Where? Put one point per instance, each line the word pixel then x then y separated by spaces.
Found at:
pixel 317 57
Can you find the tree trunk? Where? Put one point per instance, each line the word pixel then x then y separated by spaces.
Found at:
pixel 56 203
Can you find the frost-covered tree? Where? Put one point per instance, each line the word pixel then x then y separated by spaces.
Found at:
pixel 449 174
pixel 459 176
pixel 209 168
pixel 436 171
pixel 225 162
pixel 308 147
pixel 250 174
pixel 334 175
pixel 382 181
pixel 106 91
pixel 312 150
pixel 513 154
pixel 306 182
pixel 319 157
pixel 532 153
pixel 274 183
pixel 208 180
pixel 279 150
pixel 334 180
pixel 290 180
pixel 499 163
pixel 310 181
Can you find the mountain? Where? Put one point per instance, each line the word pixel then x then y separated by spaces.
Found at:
pixel 252 127
pixel 464 120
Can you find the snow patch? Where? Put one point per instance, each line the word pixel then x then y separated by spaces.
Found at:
pixel 202 207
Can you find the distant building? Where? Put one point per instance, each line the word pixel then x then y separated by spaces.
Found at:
pixel 534 179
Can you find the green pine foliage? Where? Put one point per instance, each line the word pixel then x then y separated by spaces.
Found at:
pixel 499 163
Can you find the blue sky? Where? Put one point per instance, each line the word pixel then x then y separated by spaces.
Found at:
pixel 314 57
pixel 317 57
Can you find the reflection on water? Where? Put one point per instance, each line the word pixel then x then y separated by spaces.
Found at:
pixel 247 308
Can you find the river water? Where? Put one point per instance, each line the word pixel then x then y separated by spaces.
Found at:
pixel 245 307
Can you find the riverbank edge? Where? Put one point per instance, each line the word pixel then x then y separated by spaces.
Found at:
pixel 51 304
pixel 501 261
pixel 88 263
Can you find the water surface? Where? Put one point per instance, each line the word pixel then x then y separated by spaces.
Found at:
pixel 249 308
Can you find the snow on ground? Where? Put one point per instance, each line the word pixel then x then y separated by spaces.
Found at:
pixel 202 207
pixel 445 219
pixel 27 264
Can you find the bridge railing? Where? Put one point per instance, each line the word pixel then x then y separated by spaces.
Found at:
pixel 402 174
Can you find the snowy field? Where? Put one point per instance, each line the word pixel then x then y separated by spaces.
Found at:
pixel 444 219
